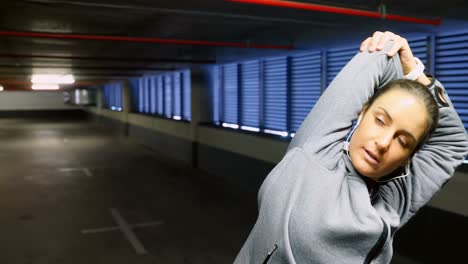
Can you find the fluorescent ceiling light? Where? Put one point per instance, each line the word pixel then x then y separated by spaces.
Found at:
pixel 45 86
pixel 68 79
pixel 53 78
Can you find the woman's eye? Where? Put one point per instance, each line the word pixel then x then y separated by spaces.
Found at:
pixel 402 142
pixel 379 121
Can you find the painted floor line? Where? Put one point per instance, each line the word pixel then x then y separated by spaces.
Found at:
pixel 147 224
pixel 87 172
pixel 67 169
pixel 99 230
pixel 129 234
pixel 115 228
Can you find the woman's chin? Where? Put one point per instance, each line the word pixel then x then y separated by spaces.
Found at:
pixel 366 170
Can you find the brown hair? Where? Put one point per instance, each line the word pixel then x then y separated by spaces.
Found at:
pixel 419 91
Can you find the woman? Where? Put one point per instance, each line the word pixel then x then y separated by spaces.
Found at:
pixel 332 200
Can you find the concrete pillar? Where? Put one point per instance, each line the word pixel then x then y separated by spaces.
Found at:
pixel 126 104
pixel 99 98
pixel 201 106
pixel 99 104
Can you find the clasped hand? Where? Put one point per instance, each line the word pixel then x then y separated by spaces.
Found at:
pixel 400 45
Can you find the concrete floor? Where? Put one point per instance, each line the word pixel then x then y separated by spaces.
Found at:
pixel 47 200
pixel 60 178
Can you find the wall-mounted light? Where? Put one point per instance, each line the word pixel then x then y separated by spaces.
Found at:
pixel 1 88
pixel 275 132
pixel 231 125
pixel 45 86
pixel 254 129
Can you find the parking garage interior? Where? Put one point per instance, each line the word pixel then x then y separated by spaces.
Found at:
pixel 178 110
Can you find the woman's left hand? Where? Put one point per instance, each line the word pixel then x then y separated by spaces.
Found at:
pixel 379 40
pixel 400 45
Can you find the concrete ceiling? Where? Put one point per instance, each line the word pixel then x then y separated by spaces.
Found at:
pixel 95 61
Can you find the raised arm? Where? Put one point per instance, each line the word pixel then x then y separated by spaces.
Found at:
pixel 322 132
pixel 433 165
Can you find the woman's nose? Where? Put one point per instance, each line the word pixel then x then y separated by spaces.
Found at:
pixel 384 141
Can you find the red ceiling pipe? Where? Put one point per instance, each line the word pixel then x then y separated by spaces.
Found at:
pixel 104 58
pixel 141 40
pixel 338 10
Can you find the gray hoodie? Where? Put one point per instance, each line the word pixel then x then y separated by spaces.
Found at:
pixel 315 208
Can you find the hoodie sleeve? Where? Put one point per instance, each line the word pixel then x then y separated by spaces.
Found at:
pixel 434 164
pixel 322 132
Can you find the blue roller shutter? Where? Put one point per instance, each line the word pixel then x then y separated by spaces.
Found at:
pixel 153 95
pixel 109 97
pixel 106 96
pixel 337 59
pixel 215 85
pixel 305 86
pixel 119 96
pixel 186 90
pixel 141 98
pixel 167 95
pixel 275 91
pixel 113 96
pixel 160 95
pixel 177 95
pixel 451 69
pixel 230 85
pixel 250 72
pixel 146 106
pixel 419 46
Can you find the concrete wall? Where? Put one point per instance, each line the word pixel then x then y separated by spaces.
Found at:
pixel 44 100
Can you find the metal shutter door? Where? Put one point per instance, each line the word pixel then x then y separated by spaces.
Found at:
pixel 275 90
pixel 230 86
pixel 451 69
pixel 250 82
pixel 186 90
pixel 305 86
pixel 176 96
pixel 337 59
pixel 167 95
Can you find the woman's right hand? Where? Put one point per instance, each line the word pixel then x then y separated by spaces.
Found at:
pixel 379 40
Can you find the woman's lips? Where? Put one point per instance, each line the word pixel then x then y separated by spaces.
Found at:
pixel 371 157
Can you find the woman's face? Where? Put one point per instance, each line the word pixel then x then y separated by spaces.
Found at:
pixel 388 133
